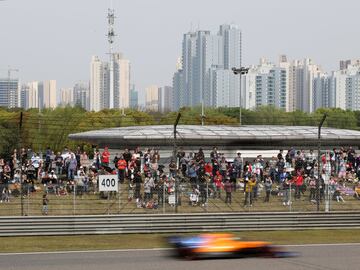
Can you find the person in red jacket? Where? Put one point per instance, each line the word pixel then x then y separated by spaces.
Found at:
pixel 299 181
pixel 121 165
pixel 105 157
pixel 208 168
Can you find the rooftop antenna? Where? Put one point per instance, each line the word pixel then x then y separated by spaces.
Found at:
pixel 111 39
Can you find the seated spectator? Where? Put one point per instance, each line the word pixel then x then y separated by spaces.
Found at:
pixel 357 192
pixel 337 196
pixel 194 196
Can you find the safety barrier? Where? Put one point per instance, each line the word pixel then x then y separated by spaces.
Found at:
pixel 180 223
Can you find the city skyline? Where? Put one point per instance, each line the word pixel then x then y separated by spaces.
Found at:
pixel 75 31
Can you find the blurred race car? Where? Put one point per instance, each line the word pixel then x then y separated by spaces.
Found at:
pixel 223 245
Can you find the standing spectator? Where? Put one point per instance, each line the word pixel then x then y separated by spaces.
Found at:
pixel 105 157
pixel 148 187
pixel 214 155
pixel 78 156
pixel 280 169
pixel 233 174
pixel 192 174
pixel 180 155
pixel 84 160
pixel 299 181
pixel 23 156
pixel 312 186
pixel 172 168
pixel 14 157
pixel 59 163
pixel 200 155
pixel 249 191
pixel 208 169
pixel 218 182
pixel 121 165
pixel 273 168
pixel 97 158
pixel 223 166
pixel 137 182
pixel 36 160
pixel 5 192
pixel 116 159
pixel 228 189
pixel 238 164
pixel 72 167
pixel 280 155
pixel 160 190
pixel 127 156
pixel 286 188
pixel 45 203
pixel 48 161
pixel 268 185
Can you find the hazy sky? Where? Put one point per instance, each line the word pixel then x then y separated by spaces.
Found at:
pixel 55 39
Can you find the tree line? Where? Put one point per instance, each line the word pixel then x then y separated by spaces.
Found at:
pixel 50 127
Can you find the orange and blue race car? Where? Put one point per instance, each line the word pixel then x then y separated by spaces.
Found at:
pixel 223 245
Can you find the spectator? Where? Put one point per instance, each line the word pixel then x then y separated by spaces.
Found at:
pixel 173 168
pixel 59 163
pixel 84 160
pixel 192 174
pixel 273 168
pixel 121 165
pixel 148 186
pixel 218 182
pixel 299 181
pixel 228 189
pixel 238 163
pixel 312 186
pixel 249 191
pixel 286 188
pixel 268 186
pixel 337 196
pixel 105 157
pixel 137 182
pixel 45 204
pixel 72 167
pixel 357 192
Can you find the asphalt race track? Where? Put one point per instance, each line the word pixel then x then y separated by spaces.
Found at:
pixel 320 257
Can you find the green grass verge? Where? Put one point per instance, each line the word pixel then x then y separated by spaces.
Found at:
pixel 130 241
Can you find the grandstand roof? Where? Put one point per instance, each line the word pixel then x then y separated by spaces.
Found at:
pixel 251 137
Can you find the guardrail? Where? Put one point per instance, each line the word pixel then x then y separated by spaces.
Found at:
pixel 180 223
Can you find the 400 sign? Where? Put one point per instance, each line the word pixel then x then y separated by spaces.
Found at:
pixel 108 183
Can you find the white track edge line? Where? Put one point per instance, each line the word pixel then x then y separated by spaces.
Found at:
pixel 154 249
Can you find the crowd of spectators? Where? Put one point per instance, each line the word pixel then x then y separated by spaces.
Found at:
pixel 192 175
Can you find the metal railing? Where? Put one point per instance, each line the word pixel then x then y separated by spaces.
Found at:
pixel 180 223
pixel 161 200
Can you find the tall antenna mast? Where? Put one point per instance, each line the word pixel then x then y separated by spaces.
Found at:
pixel 111 38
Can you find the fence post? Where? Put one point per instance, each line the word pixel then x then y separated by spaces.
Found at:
pixel 108 202
pixel 319 164
pixel 174 160
pixel 21 165
pixel 119 194
pixel 163 199
pixel 290 202
pixel 74 199
pixel 28 200
pixel 207 195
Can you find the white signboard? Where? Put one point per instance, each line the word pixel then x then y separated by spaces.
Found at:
pixel 171 199
pixel 108 183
